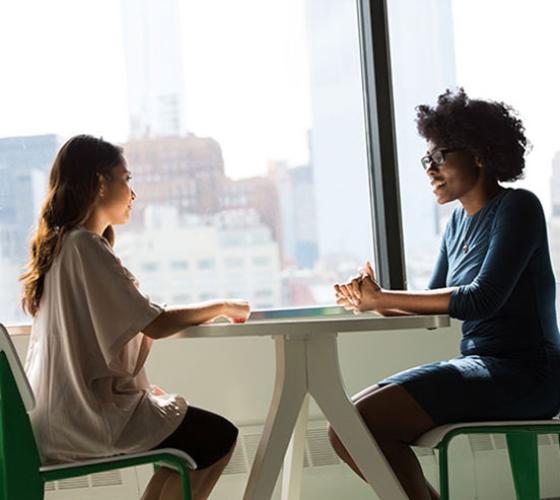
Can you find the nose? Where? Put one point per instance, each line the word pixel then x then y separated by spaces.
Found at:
pixel 132 194
pixel 432 169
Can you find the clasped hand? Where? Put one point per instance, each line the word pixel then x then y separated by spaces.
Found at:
pixel 361 293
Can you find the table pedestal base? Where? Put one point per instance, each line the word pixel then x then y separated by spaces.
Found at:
pixel 309 365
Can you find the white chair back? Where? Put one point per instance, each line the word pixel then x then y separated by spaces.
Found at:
pixel 18 372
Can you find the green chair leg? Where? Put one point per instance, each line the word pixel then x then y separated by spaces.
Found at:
pixel 186 483
pixel 443 471
pixel 185 480
pixel 524 460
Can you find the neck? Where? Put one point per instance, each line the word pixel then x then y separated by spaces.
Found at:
pixel 479 195
pixel 95 224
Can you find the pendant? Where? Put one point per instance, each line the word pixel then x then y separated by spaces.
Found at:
pixel 465 248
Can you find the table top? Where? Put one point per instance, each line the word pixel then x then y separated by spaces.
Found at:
pixel 299 321
pixel 312 321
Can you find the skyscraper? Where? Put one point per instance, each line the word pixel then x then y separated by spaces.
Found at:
pixel 24 165
pixel 337 136
pixel 154 68
pixel 423 65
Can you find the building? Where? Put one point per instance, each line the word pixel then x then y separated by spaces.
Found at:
pixel 296 197
pixel 154 68
pixel 185 259
pixel 24 165
pixel 183 172
pixel 422 68
pixel 337 136
pixel 188 173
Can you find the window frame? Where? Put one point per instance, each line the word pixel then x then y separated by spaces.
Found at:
pixel 381 144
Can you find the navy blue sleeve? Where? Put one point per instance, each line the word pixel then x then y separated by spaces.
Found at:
pixel 439 274
pixel 516 234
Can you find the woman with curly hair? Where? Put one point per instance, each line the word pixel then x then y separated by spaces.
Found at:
pixel 93 330
pixel 493 272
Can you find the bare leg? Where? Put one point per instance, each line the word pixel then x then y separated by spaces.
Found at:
pixel 365 394
pixel 202 481
pixel 395 420
pixel 156 483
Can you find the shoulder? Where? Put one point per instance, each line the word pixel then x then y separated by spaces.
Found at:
pixel 81 237
pixel 521 195
pixel 520 210
pixel 80 242
pixel 520 200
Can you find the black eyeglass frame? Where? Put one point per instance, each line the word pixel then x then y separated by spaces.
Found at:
pixel 432 160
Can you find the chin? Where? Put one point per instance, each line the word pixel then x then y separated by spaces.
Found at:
pixel 442 200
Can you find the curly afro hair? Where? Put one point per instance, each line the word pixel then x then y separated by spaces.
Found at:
pixel 490 130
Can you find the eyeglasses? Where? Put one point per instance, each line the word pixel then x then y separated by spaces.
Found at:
pixel 437 157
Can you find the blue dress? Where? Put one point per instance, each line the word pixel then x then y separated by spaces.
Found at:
pixel 509 366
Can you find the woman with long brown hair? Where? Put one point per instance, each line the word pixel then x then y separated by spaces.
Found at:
pixel 93 329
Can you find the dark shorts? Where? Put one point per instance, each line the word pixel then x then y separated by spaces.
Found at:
pixel 480 388
pixel 205 436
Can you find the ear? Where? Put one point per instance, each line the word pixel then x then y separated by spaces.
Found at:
pixel 478 162
pixel 101 186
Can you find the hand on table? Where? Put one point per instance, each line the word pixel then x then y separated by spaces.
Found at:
pixel 237 311
pixel 361 293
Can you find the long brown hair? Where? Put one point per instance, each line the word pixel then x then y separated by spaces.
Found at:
pixel 73 187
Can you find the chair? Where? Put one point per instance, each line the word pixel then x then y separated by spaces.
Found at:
pixel 522 445
pixel 21 473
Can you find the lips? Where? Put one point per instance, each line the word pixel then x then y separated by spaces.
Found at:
pixel 436 185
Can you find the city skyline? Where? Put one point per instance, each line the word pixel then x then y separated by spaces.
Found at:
pixel 106 90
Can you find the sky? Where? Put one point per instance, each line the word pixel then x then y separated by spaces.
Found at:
pixel 507 50
pixel 247 82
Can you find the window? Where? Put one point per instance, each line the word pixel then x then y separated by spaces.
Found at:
pixel 448 43
pixel 260 261
pixel 181 298
pixel 179 265
pixel 206 264
pixel 233 263
pixel 207 296
pixel 262 149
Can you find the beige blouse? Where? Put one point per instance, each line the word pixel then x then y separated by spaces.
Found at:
pixel 86 359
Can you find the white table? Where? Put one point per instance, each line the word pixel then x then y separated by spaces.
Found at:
pixel 307 364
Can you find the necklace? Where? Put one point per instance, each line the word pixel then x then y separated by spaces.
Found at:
pixel 466 243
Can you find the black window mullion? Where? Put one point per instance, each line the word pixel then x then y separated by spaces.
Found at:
pixel 381 143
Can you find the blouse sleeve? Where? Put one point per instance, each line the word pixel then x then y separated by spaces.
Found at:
pixel 439 274
pixel 117 309
pixel 516 235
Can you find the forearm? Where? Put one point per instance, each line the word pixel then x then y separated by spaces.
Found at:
pixel 174 319
pixel 416 302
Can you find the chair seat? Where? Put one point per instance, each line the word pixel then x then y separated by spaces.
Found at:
pixel 433 437
pixel 105 460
